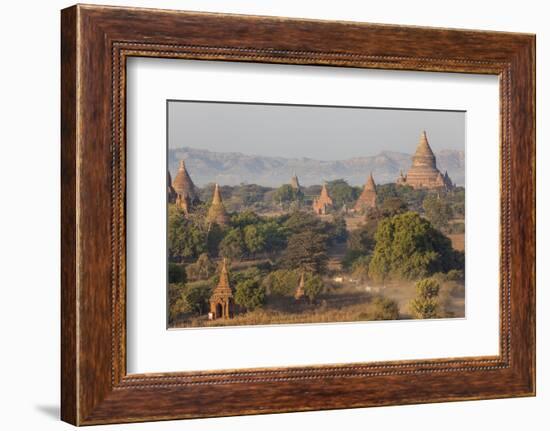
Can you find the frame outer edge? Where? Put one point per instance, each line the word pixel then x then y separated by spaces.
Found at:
pixel 69 196
pixel 87 396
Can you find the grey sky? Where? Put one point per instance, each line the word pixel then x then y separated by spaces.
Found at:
pixel 325 133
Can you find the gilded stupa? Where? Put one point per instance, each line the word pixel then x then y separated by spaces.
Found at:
pixel 367 199
pixel 423 173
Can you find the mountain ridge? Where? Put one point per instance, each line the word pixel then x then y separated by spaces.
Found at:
pixel 233 168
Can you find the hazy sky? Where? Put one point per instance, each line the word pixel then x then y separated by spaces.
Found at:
pixel 325 133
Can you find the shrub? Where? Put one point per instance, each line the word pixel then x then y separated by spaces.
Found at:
pixel 383 308
pixel 425 305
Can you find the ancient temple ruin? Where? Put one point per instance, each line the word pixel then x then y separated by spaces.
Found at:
pixel 222 304
pixel 323 204
pixel 423 173
pixel 170 191
pixel 294 183
pixel 186 192
pixel 216 212
pixel 367 199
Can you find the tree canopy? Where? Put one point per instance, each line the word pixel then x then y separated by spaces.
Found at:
pixel 438 211
pixel 306 250
pixel 409 247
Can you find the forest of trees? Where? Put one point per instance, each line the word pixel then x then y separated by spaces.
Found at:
pixel 272 238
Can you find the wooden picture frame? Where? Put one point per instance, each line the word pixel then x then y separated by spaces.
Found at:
pixel 95 43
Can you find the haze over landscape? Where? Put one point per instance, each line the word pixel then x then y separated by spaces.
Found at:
pixel 233 168
pixel 319 132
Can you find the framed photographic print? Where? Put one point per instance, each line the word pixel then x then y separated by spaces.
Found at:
pixel 325 214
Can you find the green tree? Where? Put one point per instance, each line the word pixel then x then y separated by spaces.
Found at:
pixel 360 268
pixel 232 245
pixel 186 238
pixel 245 218
pixel 254 239
pixel 281 282
pixel 275 236
pixel 285 194
pixel 425 304
pixel 188 298
pixel 313 286
pixel 341 192
pixel 409 247
pixel 392 206
pixel 300 221
pixel 249 294
pixel 306 250
pixel 176 273
pixel 202 269
pixel 338 231
pixel 195 296
pixel 438 211
pixel 214 238
pixel 176 303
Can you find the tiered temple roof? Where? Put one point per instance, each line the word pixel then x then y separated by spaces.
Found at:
pixel 423 172
pixel 216 212
pixel 323 203
pixel 221 301
pixel 367 199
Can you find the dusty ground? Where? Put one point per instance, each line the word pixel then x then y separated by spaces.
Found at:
pixel 349 302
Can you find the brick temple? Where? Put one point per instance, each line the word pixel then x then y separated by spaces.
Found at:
pixel 186 194
pixel 367 199
pixel 323 203
pixel 423 173
pixel 216 212
pixel 222 305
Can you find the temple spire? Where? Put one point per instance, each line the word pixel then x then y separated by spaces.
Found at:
pixel 324 202
pixel 221 301
pixel 183 184
pixel 216 212
pixel 367 199
pixel 423 172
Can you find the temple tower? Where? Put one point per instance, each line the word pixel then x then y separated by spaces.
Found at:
pixel 423 172
pixel 216 212
pixel 186 192
pixel 367 199
pixel 171 193
pixel 323 203
pixel 294 183
pixel 221 302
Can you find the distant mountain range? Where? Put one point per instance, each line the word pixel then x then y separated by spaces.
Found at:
pixel 235 168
